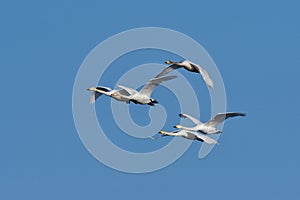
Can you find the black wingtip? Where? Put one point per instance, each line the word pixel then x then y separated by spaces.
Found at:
pixel 154 101
pixel 243 114
pixel 181 115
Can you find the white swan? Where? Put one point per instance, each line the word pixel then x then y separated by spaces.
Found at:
pixel 190 135
pixel 144 95
pixel 190 66
pixel 119 95
pixel 210 126
pixel 128 95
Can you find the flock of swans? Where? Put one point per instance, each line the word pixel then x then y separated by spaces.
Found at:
pixel 198 132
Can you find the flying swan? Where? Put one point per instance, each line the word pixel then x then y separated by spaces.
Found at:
pixel 190 66
pixel 210 126
pixel 128 95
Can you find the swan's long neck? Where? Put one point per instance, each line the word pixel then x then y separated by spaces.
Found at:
pixel 100 91
pixel 168 133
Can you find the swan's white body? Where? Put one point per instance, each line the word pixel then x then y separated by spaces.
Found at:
pixel 190 66
pixel 210 126
pixel 190 135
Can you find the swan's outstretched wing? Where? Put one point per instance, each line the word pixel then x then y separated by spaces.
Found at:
pixel 204 138
pixel 204 74
pixel 219 118
pixel 153 83
pixel 194 120
pixel 167 70
pixel 130 91
pixel 94 96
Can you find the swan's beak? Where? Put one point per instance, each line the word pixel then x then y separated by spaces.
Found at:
pixel 162 132
pixel 168 62
pixel 176 126
pixel 91 89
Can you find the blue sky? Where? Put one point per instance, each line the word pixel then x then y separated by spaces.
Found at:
pixel 255 46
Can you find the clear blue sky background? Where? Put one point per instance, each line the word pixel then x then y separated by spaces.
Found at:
pixel 256 47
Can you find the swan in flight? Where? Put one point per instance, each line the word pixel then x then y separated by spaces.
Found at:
pixel 191 135
pixel 144 95
pixel 119 95
pixel 210 126
pixel 190 66
pixel 128 95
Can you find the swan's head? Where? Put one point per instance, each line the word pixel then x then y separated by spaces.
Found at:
pixel 169 62
pixel 162 132
pixel 91 89
pixel 177 126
